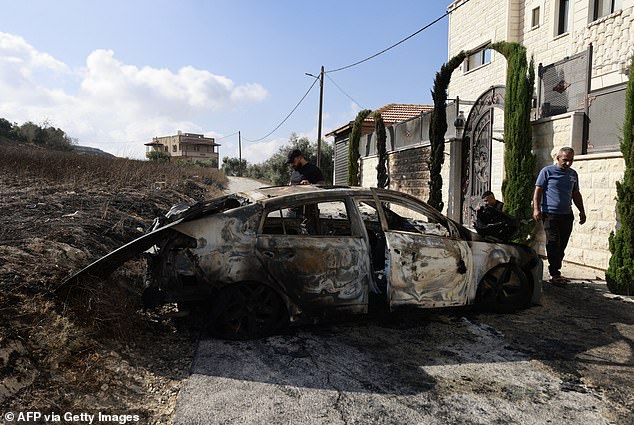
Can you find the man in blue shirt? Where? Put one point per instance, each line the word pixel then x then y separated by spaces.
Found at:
pixel 556 188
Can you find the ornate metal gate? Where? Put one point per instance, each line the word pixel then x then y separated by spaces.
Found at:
pixel 476 151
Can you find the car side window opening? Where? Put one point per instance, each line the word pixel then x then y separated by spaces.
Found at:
pixel 314 219
pixel 406 218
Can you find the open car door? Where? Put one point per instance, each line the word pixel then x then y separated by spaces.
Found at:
pixel 427 263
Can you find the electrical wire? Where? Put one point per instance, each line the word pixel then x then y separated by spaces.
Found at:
pixel 400 42
pixel 228 135
pixel 346 94
pixel 287 116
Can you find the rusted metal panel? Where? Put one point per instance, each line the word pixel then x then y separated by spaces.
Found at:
pixel 277 191
pixel 428 271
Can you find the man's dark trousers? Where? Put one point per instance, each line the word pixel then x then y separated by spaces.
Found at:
pixel 558 228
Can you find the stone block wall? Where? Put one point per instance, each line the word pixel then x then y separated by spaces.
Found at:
pixel 470 27
pixel 409 172
pixel 612 37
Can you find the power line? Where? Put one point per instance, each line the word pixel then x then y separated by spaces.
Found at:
pixel 228 135
pixel 396 44
pixel 287 116
pixel 346 94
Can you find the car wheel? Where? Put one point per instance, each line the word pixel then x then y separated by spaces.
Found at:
pixel 505 288
pixel 247 311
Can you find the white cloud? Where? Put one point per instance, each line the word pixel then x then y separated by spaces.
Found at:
pixel 23 58
pixel 110 104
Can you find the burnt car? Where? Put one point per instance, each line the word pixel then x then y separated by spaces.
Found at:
pixel 258 261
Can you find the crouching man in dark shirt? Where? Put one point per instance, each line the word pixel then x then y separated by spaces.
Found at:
pixel 311 173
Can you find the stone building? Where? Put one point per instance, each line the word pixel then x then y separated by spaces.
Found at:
pixel 187 146
pixel 581 51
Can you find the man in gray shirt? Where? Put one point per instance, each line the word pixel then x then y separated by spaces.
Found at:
pixel 556 188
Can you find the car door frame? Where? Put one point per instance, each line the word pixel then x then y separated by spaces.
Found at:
pixel 318 292
pixel 421 282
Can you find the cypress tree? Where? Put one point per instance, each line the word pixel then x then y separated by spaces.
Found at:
pixel 381 140
pixel 519 160
pixel 620 274
pixel 438 128
pixel 353 148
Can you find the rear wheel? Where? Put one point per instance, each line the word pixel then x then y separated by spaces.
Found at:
pixel 246 311
pixel 505 288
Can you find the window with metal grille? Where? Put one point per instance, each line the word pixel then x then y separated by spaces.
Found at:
pixel 563 85
pixel 606 114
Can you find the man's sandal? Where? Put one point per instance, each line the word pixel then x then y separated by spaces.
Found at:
pixel 560 281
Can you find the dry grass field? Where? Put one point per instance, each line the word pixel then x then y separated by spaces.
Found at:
pixel 92 347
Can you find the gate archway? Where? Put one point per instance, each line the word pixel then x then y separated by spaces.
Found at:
pixel 476 151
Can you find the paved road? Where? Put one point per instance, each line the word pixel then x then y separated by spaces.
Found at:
pixel 568 361
pixel 243 184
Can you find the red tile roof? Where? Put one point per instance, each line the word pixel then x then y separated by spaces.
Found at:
pixel 397 112
pixel 392 113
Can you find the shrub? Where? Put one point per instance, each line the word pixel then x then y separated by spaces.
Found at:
pixel 519 160
pixel 353 149
pixel 438 128
pixel 158 156
pixel 620 274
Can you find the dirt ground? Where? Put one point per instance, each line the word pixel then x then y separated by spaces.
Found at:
pixel 90 348
pixel 94 349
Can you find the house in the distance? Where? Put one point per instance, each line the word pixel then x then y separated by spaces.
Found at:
pixel 392 114
pixel 187 147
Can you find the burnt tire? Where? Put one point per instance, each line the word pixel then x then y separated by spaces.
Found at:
pixel 504 289
pixel 246 311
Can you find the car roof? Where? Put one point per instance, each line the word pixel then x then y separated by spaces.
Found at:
pixel 265 195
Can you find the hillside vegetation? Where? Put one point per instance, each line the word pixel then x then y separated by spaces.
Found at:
pixel 91 347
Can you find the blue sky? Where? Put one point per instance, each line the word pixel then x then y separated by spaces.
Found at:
pixel 114 74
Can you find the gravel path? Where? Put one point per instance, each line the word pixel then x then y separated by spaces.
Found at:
pixel 243 184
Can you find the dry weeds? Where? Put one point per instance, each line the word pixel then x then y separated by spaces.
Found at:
pixel 92 348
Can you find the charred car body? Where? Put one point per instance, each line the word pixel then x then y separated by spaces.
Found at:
pixel 295 254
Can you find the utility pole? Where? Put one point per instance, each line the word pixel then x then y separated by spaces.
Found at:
pixel 321 105
pixel 239 154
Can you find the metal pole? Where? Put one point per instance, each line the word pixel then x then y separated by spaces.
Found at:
pixel 321 104
pixel 239 155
